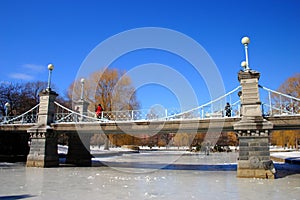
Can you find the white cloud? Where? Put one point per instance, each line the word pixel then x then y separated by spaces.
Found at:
pixel 28 72
pixel 21 76
pixel 35 68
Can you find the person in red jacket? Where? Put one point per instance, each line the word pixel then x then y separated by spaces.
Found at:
pixel 99 110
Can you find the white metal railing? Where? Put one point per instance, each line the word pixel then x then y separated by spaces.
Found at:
pixel 278 103
pixel 212 109
pixel 66 115
pixel 29 117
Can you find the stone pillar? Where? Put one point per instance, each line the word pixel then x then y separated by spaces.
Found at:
pixel 253 131
pixel 47 107
pixel 81 107
pixel 79 149
pixel 43 147
pixel 79 143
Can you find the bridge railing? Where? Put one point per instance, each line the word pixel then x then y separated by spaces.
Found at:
pixel 209 110
pixel 29 117
pixel 276 103
pixel 66 115
pixel 212 109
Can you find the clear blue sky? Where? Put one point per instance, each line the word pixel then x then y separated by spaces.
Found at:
pixel 64 32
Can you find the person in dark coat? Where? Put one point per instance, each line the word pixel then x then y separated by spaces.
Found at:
pixel 228 110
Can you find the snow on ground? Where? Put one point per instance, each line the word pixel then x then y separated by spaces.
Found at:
pixel 292 157
pixel 63 149
pixel 286 155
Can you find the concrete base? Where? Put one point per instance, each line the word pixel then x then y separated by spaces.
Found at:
pixel 79 150
pixel 254 157
pixel 255 173
pixel 43 148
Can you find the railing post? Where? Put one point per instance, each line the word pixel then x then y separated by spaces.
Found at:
pixel 292 106
pixel 132 115
pixel 270 103
pixel 280 104
pixel 166 113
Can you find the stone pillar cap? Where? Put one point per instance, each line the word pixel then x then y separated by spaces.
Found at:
pixel 248 75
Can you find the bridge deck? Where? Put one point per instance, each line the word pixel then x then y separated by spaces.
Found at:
pixel 188 125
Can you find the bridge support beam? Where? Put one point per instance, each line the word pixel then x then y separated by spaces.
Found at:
pixel 43 147
pixel 253 131
pixel 79 149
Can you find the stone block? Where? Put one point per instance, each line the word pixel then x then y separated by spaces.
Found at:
pixel 245 173
pixel 258 148
pixel 243 157
pixel 244 164
pixel 264 144
pixel 265 158
pixel 242 149
pixel 244 153
pixel 255 173
pixel 244 144
pixel 254 144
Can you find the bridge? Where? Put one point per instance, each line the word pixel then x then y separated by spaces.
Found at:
pixel 210 115
pixel 251 119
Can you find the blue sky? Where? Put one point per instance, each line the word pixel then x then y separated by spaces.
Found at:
pixel 64 32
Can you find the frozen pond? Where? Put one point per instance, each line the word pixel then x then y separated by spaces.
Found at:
pixel 126 179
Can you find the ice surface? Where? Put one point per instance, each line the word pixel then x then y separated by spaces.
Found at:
pixel 19 182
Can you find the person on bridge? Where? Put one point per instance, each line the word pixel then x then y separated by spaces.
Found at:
pixel 228 110
pixel 99 110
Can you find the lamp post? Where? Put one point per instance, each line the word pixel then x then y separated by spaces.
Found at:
pixel 7 107
pixel 50 68
pixel 245 42
pixel 82 88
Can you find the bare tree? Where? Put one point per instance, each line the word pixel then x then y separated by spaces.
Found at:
pixel 290 87
pixel 111 88
pixel 21 97
pixel 33 89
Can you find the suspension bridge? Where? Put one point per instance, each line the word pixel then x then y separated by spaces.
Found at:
pixel 42 124
pixel 281 109
pixel 255 111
